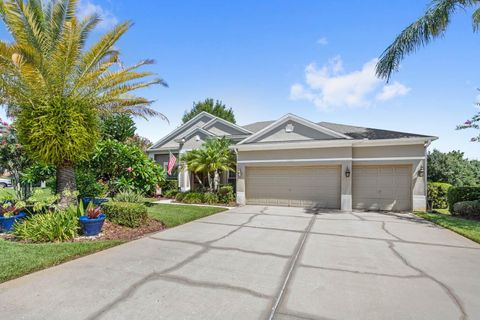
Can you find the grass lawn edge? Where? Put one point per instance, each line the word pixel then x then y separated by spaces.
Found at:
pixel 467 228
pixel 37 257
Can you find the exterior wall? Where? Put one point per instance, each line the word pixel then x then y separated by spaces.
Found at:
pixel 304 154
pixel 347 157
pixel 416 150
pixel 161 158
pixel 300 132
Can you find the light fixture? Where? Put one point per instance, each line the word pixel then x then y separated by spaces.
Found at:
pixel 347 172
pixel 421 171
pixel 239 173
pixel 197 138
pixel 183 140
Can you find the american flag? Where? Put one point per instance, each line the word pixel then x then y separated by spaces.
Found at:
pixel 171 163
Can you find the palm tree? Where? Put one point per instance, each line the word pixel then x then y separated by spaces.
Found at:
pixel 428 27
pixel 56 88
pixel 214 157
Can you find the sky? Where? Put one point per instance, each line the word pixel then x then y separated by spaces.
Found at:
pixel 312 58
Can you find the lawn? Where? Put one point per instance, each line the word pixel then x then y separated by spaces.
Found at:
pixel 466 227
pixel 42 192
pixel 173 215
pixel 18 259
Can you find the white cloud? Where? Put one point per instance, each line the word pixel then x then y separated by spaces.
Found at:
pixel 392 90
pixel 330 87
pixel 323 41
pixel 86 8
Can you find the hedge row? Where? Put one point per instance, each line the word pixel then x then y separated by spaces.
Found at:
pixel 460 194
pixel 224 195
pixel 469 209
pixel 437 193
pixel 125 213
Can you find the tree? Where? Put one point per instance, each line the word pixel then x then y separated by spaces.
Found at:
pixel 124 166
pixel 430 26
pixel 453 168
pixel 216 108
pixel 212 158
pixel 119 127
pixel 57 88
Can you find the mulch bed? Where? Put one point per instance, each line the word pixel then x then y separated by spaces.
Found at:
pixel 113 231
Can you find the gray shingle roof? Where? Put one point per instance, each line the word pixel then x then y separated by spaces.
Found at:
pixel 368 133
pixel 257 126
pixel 351 131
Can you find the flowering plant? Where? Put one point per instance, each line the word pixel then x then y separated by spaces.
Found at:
pixel 92 212
pixel 9 209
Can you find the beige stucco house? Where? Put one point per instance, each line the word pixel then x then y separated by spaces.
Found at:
pixel 297 162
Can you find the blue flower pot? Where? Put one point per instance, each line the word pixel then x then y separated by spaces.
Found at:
pixel 92 227
pixel 6 223
pixel 96 201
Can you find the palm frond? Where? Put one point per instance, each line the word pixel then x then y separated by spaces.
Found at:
pixel 418 34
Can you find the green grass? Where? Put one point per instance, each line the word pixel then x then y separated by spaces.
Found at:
pixel 442 211
pixel 466 227
pixel 42 193
pixel 172 215
pixel 18 259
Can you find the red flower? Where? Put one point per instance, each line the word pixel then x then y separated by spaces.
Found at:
pixel 130 169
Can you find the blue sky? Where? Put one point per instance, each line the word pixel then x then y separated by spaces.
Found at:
pixel 311 58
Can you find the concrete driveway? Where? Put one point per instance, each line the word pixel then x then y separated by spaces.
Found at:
pixel 265 263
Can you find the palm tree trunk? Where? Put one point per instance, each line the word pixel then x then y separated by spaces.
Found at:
pixel 216 180
pixel 66 184
pixel 209 177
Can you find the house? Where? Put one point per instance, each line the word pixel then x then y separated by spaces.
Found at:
pixel 293 161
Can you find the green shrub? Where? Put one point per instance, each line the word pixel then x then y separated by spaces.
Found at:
pixel 87 184
pixel 193 198
pixel 458 194
pixel 169 185
pixel 129 196
pixel 170 193
pixel 467 208
pixel 210 198
pixel 437 193
pixel 179 197
pixel 226 194
pixel 49 227
pixel 125 213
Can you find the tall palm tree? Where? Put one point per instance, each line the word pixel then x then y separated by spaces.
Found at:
pixel 56 88
pixel 213 158
pixel 428 27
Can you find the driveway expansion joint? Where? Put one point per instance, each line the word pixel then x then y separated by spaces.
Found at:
pixel 292 265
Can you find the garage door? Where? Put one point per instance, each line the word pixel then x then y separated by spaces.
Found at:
pixel 382 187
pixel 294 186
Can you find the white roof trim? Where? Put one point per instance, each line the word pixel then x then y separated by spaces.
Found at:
pixel 190 133
pixel 330 144
pixel 329 160
pixel 227 123
pixel 179 129
pixel 292 117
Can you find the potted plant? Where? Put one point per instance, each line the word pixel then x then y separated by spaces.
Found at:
pixel 10 213
pixel 92 221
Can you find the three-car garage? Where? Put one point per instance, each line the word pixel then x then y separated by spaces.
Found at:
pixel 373 187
